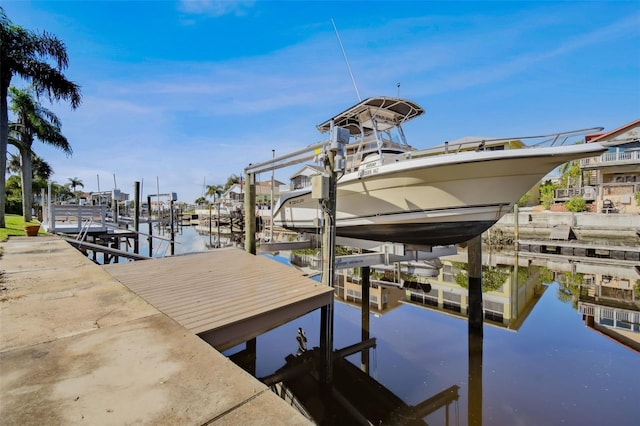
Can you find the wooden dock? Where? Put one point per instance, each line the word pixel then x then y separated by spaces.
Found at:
pixel 225 296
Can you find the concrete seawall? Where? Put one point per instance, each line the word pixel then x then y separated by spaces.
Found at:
pixel 585 225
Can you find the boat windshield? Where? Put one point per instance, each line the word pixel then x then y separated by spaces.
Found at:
pixel 375 126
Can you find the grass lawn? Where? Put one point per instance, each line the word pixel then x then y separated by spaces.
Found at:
pixel 14 226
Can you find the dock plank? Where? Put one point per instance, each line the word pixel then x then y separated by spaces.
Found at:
pixel 216 294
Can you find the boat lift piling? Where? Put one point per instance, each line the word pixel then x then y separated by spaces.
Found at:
pixel 475 332
pixel 172 226
pixel 474 269
pixel 365 272
pixel 249 212
pixel 332 153
pixel 150 238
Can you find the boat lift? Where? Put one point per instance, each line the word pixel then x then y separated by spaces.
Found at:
pixel 332 153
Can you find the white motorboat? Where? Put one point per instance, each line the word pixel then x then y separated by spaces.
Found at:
pixel 437 196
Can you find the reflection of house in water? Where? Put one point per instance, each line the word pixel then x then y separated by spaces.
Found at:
pixel 611 305
pixel 513 290
pixel 608 297
pixel 304 260
pixel 348 289
pixel 382 296
pixel 432 284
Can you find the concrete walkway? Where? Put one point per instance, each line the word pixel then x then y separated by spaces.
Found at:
pixel 77 347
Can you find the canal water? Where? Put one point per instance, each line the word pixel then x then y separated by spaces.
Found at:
pixel 560 344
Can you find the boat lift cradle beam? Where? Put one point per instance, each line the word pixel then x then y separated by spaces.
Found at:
pixel 392 253
pixel 291 159
pixel 381 253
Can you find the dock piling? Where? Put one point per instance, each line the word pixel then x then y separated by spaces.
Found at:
pixel 474 268
pixel 136 215
pixel 172 215
pixel 249 213
pixel 365 271
pixel 150 238
pixel 475 342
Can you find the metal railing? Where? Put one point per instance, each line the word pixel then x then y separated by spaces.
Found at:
pixel 73 218
pixel 612 157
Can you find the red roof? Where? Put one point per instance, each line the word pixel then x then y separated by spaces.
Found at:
pixel 598 136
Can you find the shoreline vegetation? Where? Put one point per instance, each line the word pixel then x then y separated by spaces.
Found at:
pixel 15 227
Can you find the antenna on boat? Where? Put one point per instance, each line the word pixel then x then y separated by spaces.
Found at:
pixel 346 60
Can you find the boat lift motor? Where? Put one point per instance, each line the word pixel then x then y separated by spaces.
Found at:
pixel 338 144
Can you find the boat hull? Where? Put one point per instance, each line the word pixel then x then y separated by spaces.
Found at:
pixel 437 200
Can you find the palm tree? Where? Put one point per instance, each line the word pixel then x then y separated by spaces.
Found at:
pixel 213 190
pixel 75 182
pixel 24 53
pixel 42 172
pixel 60 192
pixel 14 165
pixel 41 169
pixel 33 122
pixel 231 180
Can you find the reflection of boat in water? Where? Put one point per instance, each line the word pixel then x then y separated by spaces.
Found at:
pixel 354 397
pixel 437 196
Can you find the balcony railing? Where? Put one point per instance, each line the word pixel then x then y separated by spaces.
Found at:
pixel 564 194
pixel 610 158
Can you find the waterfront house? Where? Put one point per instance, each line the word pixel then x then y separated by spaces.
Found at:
pixel 302 178
pixel 611 181
pixel 263 192
pixel 234 193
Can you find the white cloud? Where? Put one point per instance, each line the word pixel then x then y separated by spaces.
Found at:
pixel 216 8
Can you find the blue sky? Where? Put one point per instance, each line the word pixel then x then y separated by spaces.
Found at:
pixel 188 92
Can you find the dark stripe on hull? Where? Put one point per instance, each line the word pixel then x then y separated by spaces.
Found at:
pixel 430 234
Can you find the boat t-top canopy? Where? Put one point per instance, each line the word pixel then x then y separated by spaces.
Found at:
pixel 380 113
